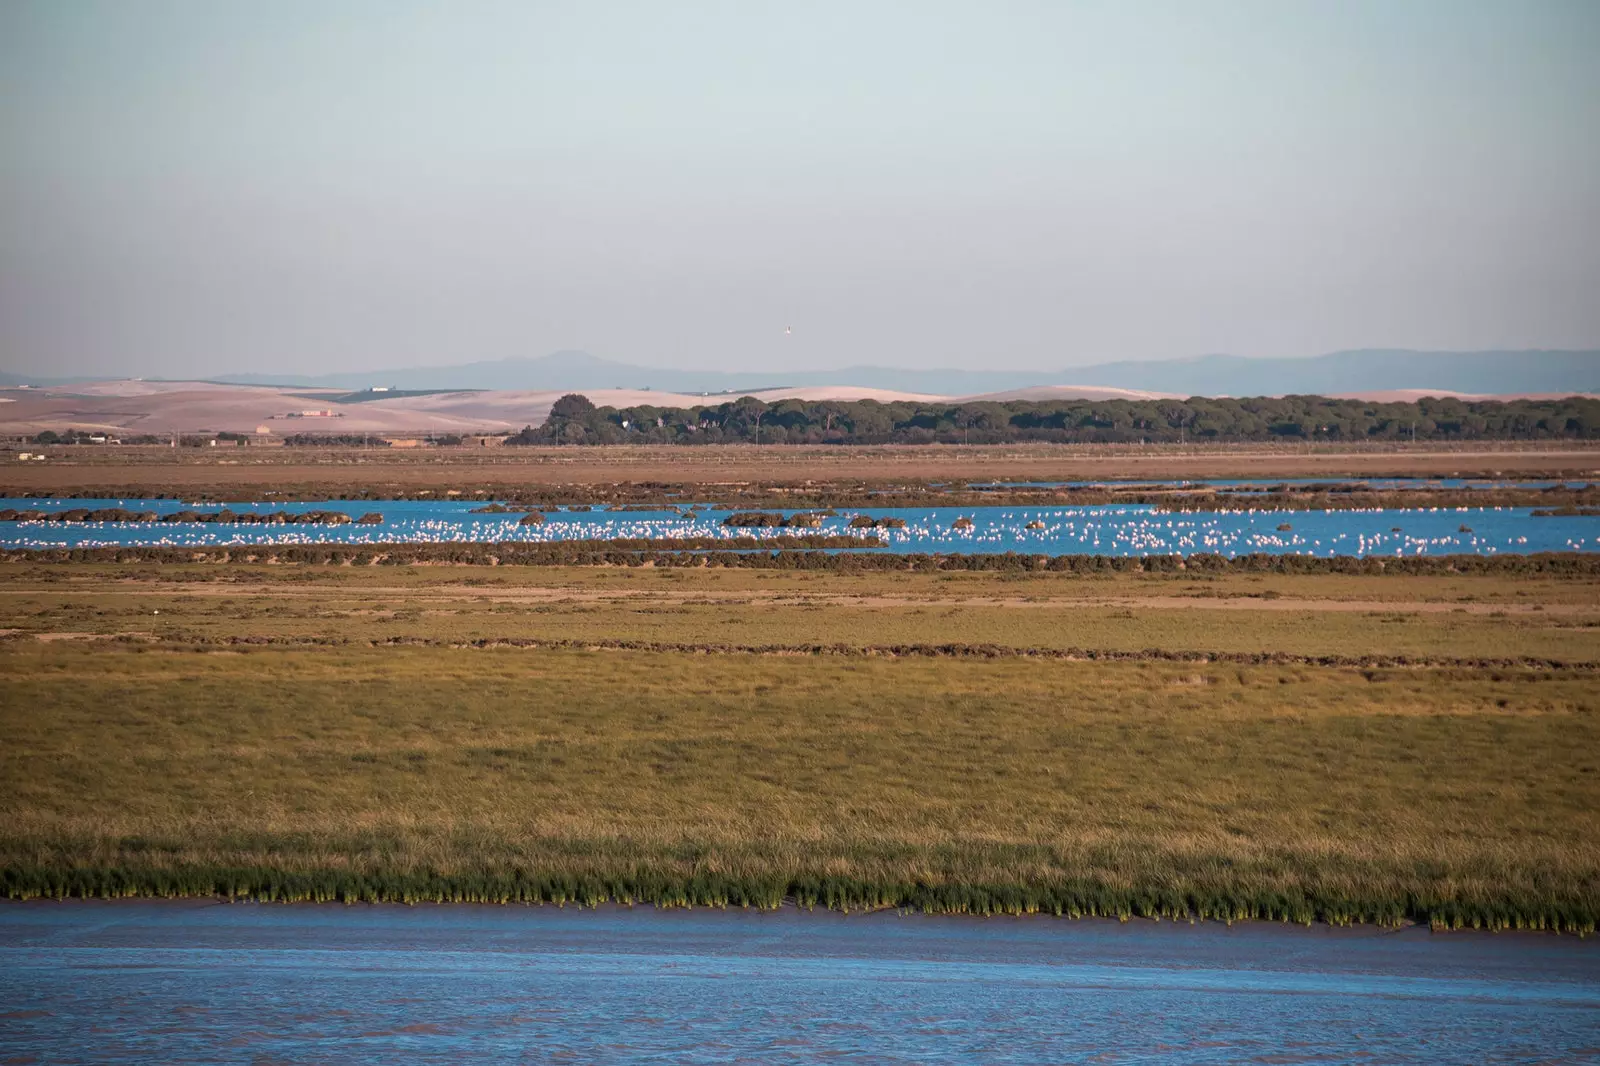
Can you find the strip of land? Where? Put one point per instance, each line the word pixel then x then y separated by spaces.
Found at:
pixel 445 733
pixel 285 473
pixel 1463 617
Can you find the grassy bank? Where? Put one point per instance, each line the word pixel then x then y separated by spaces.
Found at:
pixel 1214 760
pixel 791 476
pixel 1452 796
pixel 1457 619
pixel 772 496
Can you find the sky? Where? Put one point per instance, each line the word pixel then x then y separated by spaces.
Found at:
pixel 216 186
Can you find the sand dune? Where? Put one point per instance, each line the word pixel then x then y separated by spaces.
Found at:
pixel 166 408
pixel 1073 392
pixel 1413 395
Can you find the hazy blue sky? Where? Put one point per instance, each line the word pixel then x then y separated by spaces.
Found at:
pixel 209 186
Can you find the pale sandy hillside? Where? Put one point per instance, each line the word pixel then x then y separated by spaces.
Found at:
pixel 1073 392
pixel 1412 395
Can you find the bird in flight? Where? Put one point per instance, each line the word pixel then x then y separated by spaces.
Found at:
pixel 788 331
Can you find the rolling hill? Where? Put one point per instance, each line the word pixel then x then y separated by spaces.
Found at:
pixel 1365 371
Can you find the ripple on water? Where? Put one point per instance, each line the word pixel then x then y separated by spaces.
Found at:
pixel 133 982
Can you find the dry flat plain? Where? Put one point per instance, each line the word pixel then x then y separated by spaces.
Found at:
pixel 251 471
pixel 1342 747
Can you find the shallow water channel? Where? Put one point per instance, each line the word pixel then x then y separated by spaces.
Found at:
pixel 211 982
pixel 1120 529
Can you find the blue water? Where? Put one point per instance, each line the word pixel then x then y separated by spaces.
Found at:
pixel 1106 530
pixel 132 982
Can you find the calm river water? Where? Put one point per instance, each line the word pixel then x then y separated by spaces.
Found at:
pixel 206 982
pixel 1108 530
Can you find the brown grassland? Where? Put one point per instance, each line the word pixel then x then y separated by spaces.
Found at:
pixel 842 739
pixel 248 472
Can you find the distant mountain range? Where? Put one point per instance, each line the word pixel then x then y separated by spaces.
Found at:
pixel 1210 375
pixel 1369 370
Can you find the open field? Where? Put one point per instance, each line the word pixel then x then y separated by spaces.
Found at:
pixel 1461 617
pixel 251 471
pixel 1120 788
pixel 395 743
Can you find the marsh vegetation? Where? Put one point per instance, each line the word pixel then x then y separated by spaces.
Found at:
pixel 397 746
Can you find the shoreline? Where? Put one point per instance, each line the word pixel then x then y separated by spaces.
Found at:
pixel 823 917
pixel 1075 901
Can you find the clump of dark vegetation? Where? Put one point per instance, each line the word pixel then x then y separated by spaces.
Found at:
pixel 753 520
pixel 768 520
pixel 574 419
pixel 79 514
pixel 339 440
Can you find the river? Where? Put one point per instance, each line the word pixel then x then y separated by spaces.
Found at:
pixel 198 982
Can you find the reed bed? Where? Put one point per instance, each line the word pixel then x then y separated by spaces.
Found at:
pixel 1064 899
pixel 1469 620
pixel 696 553
pixel 878 494
pixel 1457 797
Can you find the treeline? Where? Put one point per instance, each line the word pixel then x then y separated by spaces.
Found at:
pixel 574 419
pixel 336 440
pixel 804 553
pixel 94 436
